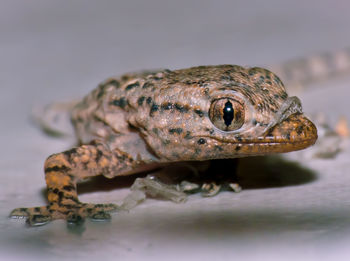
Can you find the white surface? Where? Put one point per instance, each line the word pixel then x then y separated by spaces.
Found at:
pixel 55 50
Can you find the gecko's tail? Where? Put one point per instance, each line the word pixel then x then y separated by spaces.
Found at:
pixel 55 118
pixel 301 72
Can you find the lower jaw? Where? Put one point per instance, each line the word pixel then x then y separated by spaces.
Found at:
pixel 273 147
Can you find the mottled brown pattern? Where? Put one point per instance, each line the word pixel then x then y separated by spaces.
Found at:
pixel 143 119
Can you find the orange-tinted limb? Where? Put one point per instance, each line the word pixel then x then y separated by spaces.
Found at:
pixel 62 173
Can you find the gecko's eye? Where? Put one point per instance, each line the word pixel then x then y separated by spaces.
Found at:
pixel 227 114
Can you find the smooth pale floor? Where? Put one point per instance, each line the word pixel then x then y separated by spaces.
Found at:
pixel 291 208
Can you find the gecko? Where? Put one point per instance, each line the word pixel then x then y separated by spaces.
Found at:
pixel 141 120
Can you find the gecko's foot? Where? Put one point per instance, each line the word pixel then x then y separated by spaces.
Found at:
pixel 74 214
pixel 210 189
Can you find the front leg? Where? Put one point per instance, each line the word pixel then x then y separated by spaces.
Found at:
pixel 63 171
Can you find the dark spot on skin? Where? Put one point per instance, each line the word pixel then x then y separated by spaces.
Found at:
pixel 115 83
pixel 260 80
pixel 68 153
pixel 287 120
pixel 203 84
pixel 251 72
pixel 125 77
pixel 133 85
pixel 299 130
pixel 154 108
pixel 147 85
pixel 288 136
pixel 199 112
pixel 166 142
pixel 239 138
pixel 175 155
pixel 58 169
pixel 276 96
pixel 167 106
pixel 238 148
pixel 140 100
pixel 157 77
pixel 149 100
pixel 175 130
pixel 181 108
pixel 219 148
pixel 269 133
pixel 254 122
pixel 277 80
pixel 120 102
pixel 244 75
pixel 201 141
pixel 197 151
pixel 155 131
pixel 226 78
pixel 60 195
pixel 211 131
pixel 284 95
pixel 101 91
pixel 188 135
pixel 68 188
pixel 99 155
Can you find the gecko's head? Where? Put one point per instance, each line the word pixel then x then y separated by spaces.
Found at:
pixel 227 112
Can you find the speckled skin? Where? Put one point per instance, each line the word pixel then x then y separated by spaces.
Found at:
pixel 131 123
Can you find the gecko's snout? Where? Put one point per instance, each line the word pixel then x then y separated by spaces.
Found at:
pixel 294 133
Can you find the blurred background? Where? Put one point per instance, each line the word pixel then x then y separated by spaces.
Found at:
pixel 60 50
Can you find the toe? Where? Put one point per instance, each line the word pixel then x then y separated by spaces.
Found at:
pixel 101 216
pixel 210 189
pixel 38 220
pixel 75 218
pixel 19 213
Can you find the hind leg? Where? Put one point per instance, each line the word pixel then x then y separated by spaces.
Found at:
pixel 62 173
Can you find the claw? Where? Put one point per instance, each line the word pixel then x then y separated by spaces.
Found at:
pixel 235 187
pixel 210 189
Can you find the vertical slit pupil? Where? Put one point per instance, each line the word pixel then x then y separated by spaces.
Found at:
pixel 228 113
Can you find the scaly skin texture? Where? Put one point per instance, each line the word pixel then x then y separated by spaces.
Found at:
pixel 131 123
